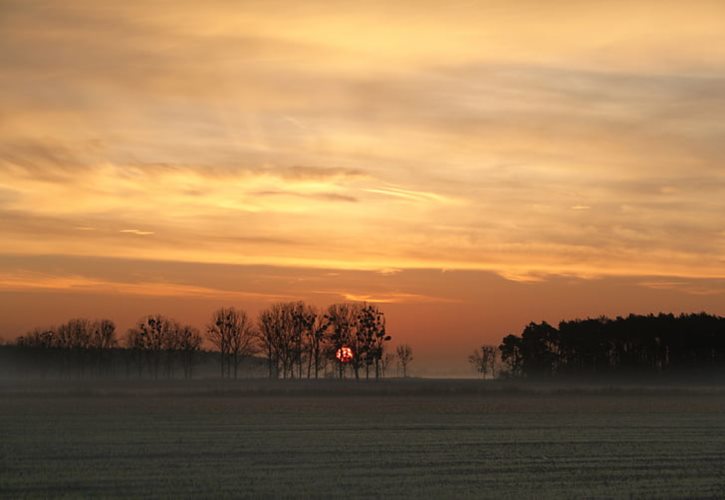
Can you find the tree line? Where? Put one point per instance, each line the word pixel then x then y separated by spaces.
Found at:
pixel 635 344
pixel 295 339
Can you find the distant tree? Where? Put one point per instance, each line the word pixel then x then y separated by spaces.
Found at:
pixel 103 335
pixel 511 354
pixel 405 357
pixel 269 331
pixel 372 337
pixel 190 342
pixel 39 350
pixel 149 339
pixel 280 335
pixel 385 363
pixel 302 322
pixel 232 333
pixel 483 360
pixel 82 343
pixel 42 338
pixel 636 344
pixel 242 343
pixel 103 341
pixel 343 324
pixel 315 343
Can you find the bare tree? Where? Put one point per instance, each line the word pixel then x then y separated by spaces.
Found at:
pixel 386 362
pixel 483 360
pixel 232 333
pixel 190 342
pixel 104 334
pixel 343 323
pixel 71 347
pixel 242 342
pixel 302 320
pixel 280 336
pixel 314 343
pixel 103 340
pixel 149 338
pixel 268 330
pixel 74 340
pixel 371 336
pixel 405 357
pixel 38 338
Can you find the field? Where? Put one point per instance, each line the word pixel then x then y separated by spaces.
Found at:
pixel 440 439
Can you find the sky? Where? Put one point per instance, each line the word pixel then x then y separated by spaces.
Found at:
pixel 469 166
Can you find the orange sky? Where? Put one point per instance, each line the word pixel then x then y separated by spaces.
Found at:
pixel 471 165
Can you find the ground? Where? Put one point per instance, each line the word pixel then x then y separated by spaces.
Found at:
pixel 431 439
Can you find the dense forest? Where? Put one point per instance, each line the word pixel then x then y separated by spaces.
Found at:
pixel 632 345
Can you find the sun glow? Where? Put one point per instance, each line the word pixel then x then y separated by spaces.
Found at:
pixel 344 354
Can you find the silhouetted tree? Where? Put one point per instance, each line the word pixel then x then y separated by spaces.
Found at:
pixel 280 335
pixel 269 332
pixel 385 363
pixel 633 344
pixel 149 339
pixel 315 342
pixel 75 348
pixel 103 341
pixel 232 333
pixel 511 354
pixel 190 342
pixel 372 337
pixel 405 357
pixel 301 322
pixel 342 320
pixel 483 360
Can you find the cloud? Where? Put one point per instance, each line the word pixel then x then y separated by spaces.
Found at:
pixel 701 288
pixel 137 232
pixel 240 134
pixel 394 298
pixel 319 196
pixel 410 195
pixel 32 281
pixel 301 173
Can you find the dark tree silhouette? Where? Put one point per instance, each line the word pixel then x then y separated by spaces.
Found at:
pixel 343 323
pixel 280 334
pixel 157 341
pixel 483 360
pixel 302 320
pixel 103 341
pixel 190 342
pixel 386 363
pixel 149 340
pixel 231 331
pixel 372 337
pixel 693 343
pixel 76 348
pixel 405 357
pixel 315 342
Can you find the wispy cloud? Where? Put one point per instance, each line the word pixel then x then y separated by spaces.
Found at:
pixel 394 298
pixel 411 195
pixel 31 281
pixel 137 232
pixel 689 287
pixel 242 134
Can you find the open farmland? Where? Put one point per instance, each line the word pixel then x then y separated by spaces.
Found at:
pixel 392 439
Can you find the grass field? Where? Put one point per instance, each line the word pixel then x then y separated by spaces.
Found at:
pixel 440 439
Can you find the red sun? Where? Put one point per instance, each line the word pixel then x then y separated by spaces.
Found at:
pixel 344 354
